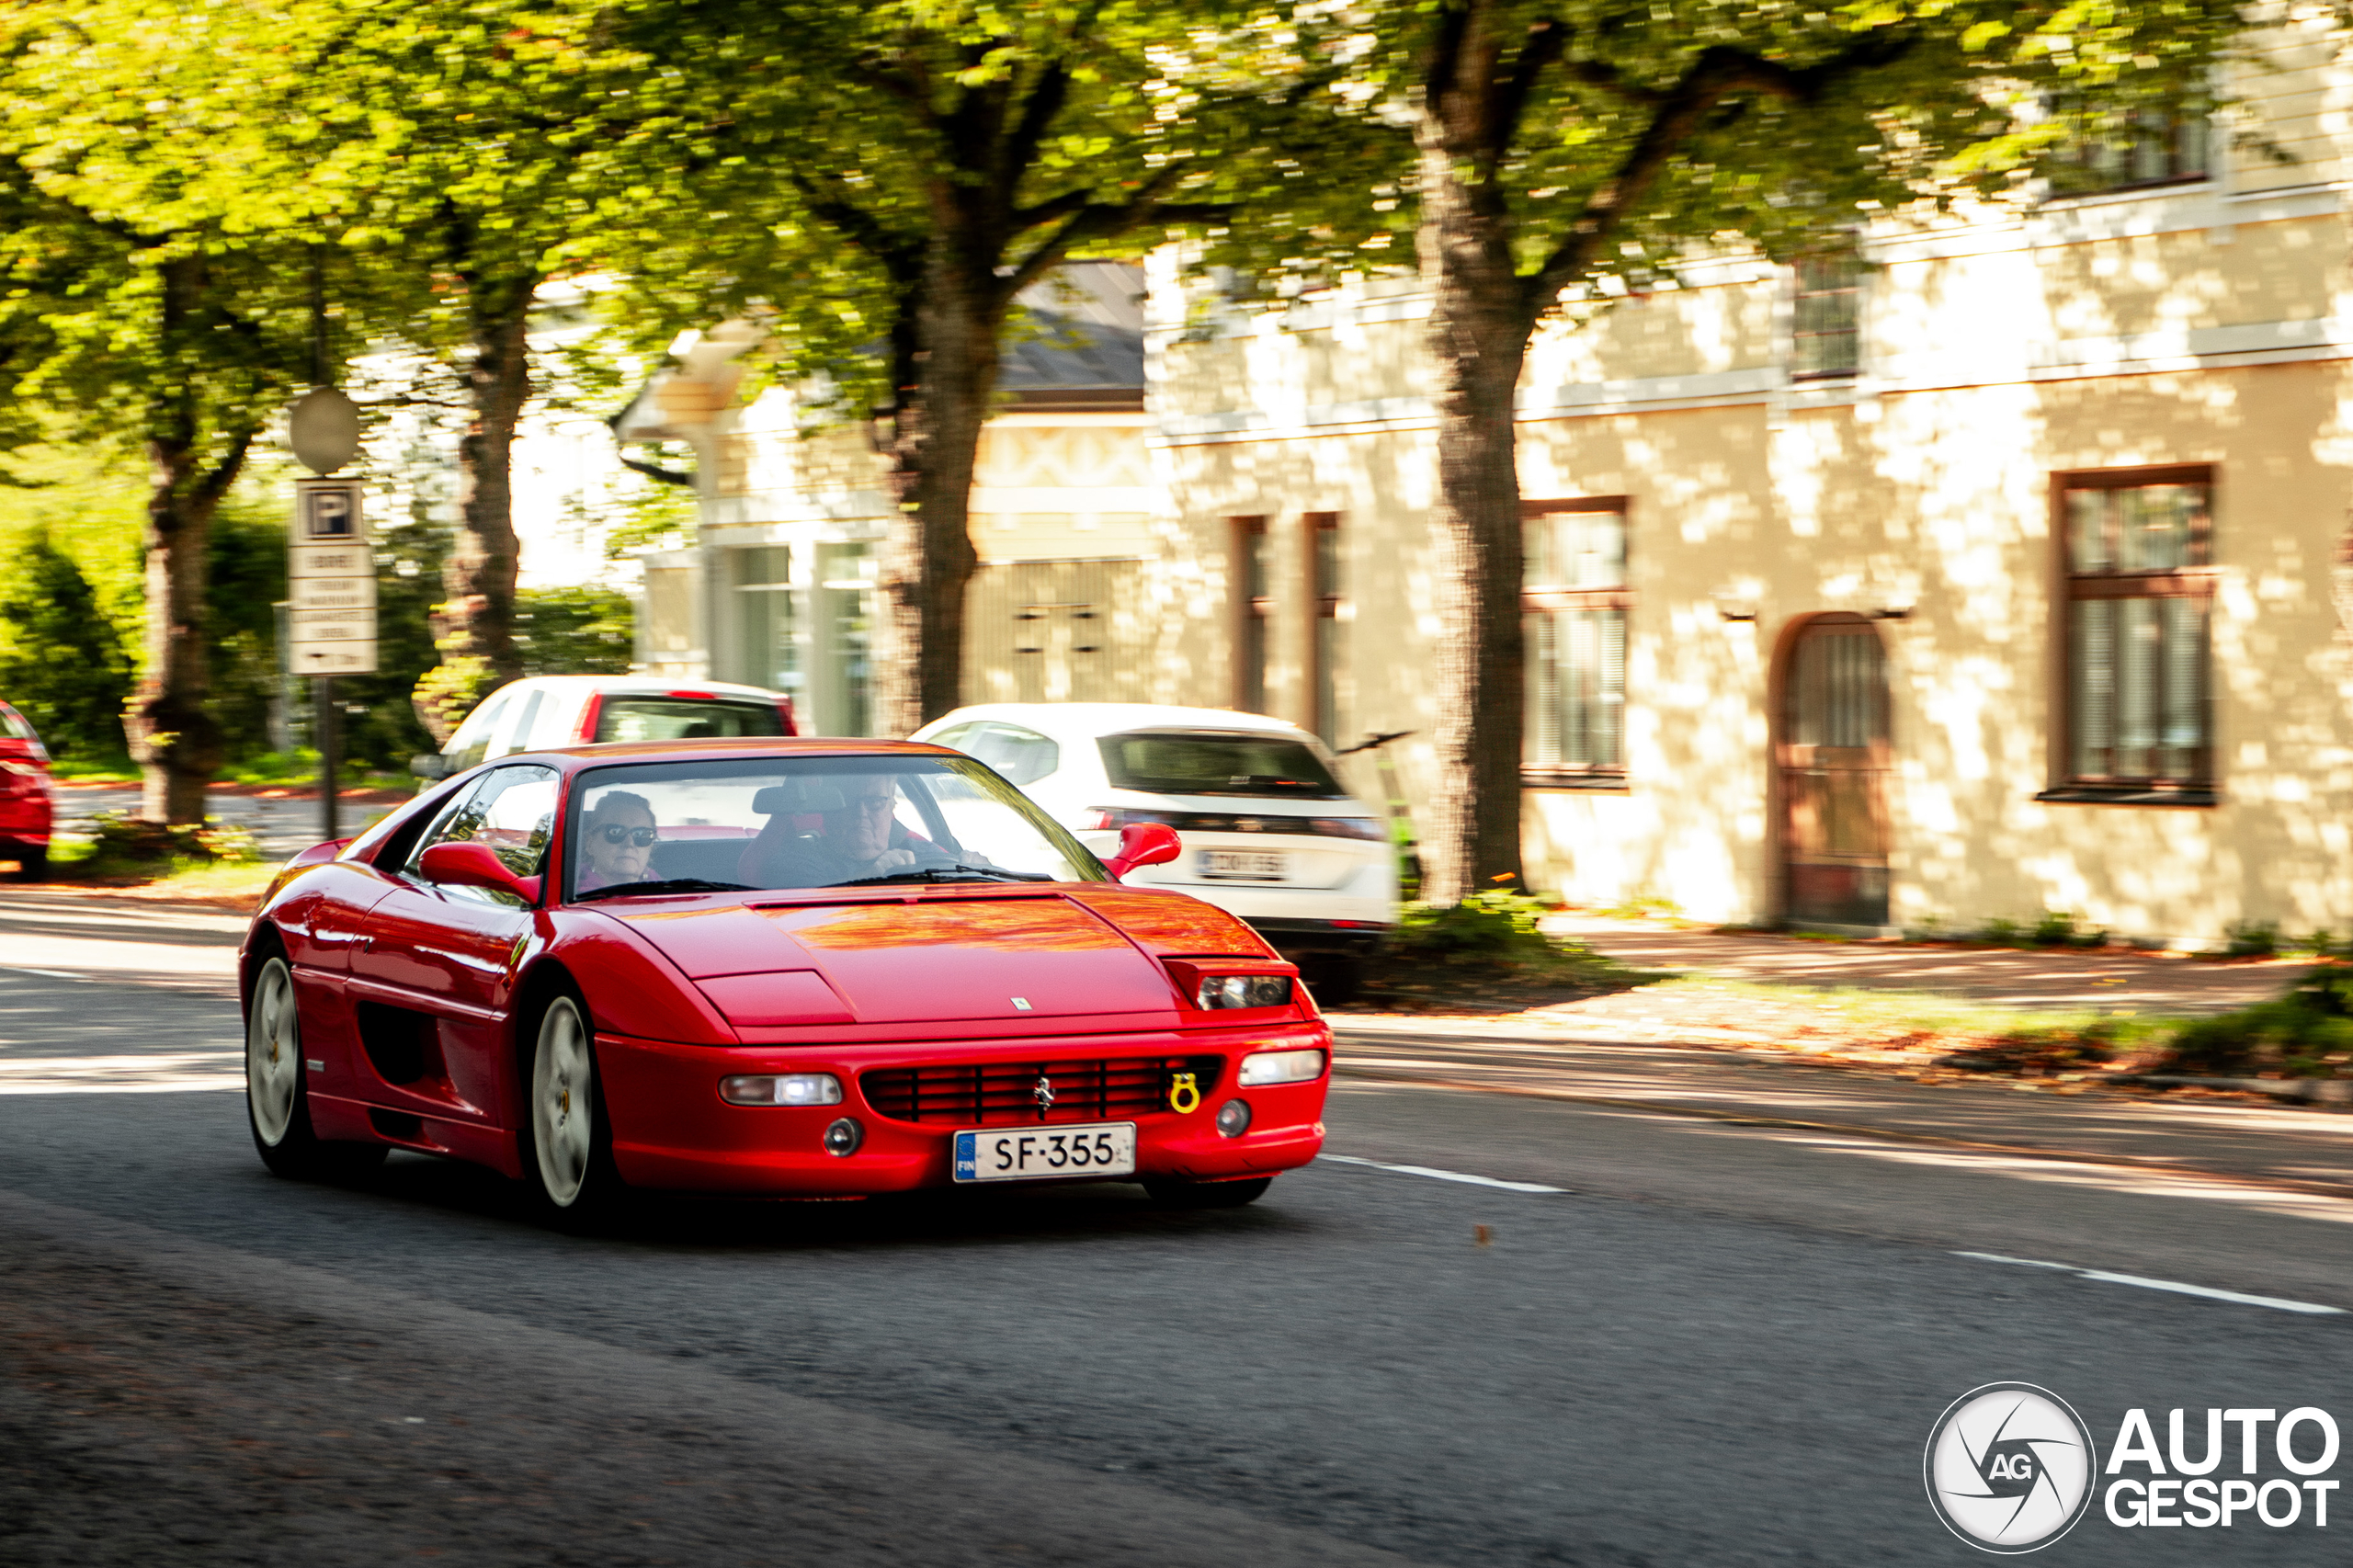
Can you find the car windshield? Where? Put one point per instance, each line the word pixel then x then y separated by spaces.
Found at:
pixel 815 822
pixel 1175 763
pixel 683 719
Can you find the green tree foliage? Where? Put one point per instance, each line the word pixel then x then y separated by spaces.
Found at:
pixel 151 301
pixel 63 664
pixel 244 583
pixel 575 631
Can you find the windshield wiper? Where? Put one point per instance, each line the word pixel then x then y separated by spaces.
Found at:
pixel 674 884
pixel 957 873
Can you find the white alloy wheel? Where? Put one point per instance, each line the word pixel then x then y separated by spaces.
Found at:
pixel 562 1102
pixel 273 1053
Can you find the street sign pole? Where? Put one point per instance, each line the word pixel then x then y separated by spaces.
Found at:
pixel 330 570
pixel 330 741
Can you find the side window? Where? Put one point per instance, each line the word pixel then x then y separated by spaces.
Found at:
pixel 1022 756
pixel 470 745
pixel 512 810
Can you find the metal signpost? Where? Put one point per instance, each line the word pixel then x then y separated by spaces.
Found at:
pixel 330 574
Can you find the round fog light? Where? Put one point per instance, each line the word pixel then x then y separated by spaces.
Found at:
pixel 1233 1117
pixel 844 1136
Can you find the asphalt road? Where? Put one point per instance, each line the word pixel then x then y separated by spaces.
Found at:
pixel 1716 1344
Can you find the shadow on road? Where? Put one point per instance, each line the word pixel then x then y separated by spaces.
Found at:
pixel 1085 1213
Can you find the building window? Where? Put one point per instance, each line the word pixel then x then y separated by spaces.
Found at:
pixel 769 609
pixel 1576 600
pixel 1323 646
pixel 1826 338
pixel 2129 149
pixel 841 681
pixel 2138 551
pixel 1246 573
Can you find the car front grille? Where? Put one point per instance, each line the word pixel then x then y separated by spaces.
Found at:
pixel 1005 1094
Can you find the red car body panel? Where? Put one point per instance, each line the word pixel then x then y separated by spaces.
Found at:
pixel 416 1004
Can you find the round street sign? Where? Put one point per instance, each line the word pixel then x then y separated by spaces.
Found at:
pixel 325 427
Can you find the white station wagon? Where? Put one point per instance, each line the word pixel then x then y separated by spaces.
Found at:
pixel 1270 834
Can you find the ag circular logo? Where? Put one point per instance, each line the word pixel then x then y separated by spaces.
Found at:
pixel 2009 1468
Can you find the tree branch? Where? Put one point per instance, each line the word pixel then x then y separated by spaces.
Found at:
pixel 1092 221
pixel 215 484
pixel 1719 73
pixel 655 470
pixel 1020 148
pixel 899 255
pixel 1546 39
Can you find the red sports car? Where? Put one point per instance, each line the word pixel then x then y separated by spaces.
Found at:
pixel 767 968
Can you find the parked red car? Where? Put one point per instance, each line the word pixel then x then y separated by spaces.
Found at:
pixel 25 808
pixel 763 967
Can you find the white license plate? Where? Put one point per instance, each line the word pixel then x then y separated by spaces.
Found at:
pixel 1245 865
pixel 1028 1153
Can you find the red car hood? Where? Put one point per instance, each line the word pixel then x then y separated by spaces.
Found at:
pixel 897 961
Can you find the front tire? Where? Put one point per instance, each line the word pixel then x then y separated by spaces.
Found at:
pixel 567 1154
pixel 1172 1193
pixel 277 1099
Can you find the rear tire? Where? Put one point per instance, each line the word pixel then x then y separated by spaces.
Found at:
pixel 32 864
pixel 1171 1193
pixel 278 1094
pixel 567 1142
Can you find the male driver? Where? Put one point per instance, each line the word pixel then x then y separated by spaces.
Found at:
pixel 861 838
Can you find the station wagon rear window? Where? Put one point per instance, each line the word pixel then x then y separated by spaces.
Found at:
pixel 1196 764
pixel 677 719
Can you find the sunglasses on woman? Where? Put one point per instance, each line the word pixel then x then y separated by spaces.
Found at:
pixel 617 833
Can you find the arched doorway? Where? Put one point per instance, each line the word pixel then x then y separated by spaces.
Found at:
pixel 1833 758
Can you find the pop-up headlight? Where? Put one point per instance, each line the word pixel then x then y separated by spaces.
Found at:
pixel 1216 991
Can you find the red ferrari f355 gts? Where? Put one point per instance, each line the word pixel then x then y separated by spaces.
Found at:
pixel 766 968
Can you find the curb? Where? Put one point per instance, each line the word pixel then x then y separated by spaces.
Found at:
pixel 2312 1091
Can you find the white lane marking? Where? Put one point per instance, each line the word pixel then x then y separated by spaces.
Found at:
pixel 48 973
pixel 1441 1175
pixel 2276 1303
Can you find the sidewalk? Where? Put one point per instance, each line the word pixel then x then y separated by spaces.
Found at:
pixel 2107 978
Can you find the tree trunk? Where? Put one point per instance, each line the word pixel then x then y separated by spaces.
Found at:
pixel 928 558
pixel 1479 330
pixel 474 625
pixel 169 725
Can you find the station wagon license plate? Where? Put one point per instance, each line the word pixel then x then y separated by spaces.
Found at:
pixel 1030 1153
pixel 1245 865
